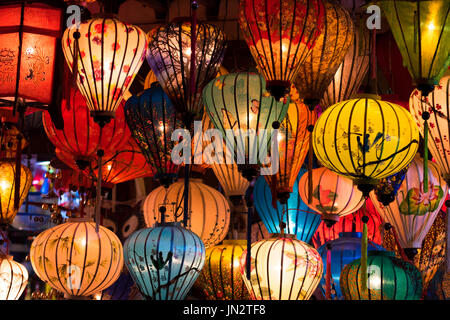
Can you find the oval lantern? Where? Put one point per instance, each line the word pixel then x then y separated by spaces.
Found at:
pixel 220 278
pixel 388 278
pixel 106 57
pixel 76 260
pixel 333 196
pixel 209 212
pixel 164 261
pixel 282 268
pixel 280 35
pixel 13 278
pixel 298 217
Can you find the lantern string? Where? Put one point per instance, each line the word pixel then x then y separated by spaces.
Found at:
pixel 364 246
pixel 98 199
pixel 328 273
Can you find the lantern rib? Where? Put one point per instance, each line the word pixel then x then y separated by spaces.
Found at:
pixel 439 43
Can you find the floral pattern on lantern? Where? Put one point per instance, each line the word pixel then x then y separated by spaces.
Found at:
pixel 13 278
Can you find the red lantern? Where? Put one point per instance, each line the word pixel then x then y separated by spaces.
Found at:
pixel 33 29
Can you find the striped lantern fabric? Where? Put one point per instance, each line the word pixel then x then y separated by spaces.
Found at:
pixel 209 211
pixel 282 268
pixel 13 278
pixel 164 261
pixel 169 56
pixel 107 56
pixel 74 259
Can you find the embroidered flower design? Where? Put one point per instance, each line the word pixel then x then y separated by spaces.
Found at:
pixel 418 202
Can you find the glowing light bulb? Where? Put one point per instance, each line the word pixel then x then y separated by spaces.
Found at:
pixel 4 185
pixel 187 51
pixel 161 128
pixel 30 50
pixel 109 167
pixel 431 26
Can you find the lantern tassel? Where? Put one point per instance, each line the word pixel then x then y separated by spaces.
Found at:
pixel 18 158
pixel 249 242
pixel 425 116
pixel 100 154
pixel 76 36
pixel 328 273
pixel 186 195
pixel 310 160
pixel 364 219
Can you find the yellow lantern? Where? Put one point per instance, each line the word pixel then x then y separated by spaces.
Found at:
pixel 282 268
pixel 209 212
pixel 220 278
pixel 13 278
pixel 75 259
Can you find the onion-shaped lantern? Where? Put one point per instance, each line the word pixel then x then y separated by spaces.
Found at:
pixel 152 119
pixel 282 268
pixel 164 261
pixel 336 254
pixel 421 30
pixel 388 278
pixel 298 218
pixel 280 35
pixel 319 68
pixel 75 259
pixel 413 211
pixel 13 278
pixel 333 195
pixel 105 54
pixel 239 103
pixel 365 139
pixel 220 278
pixel 169 56
pixel 350 74
pixel 209 212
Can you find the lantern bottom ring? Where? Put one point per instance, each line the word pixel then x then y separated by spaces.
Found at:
pixel 278 89
pixel 102 117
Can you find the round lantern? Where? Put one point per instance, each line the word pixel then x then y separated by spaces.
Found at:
pixel 280 35
pixel 413 211
pixel 365 139
pixel 164 261
pixel 298 217
pixel 320 66
pixel 333 195
pixel 13 278
pixel 282 268
pixel 220 278
pixel 388 278
pixel 106 55
pixel 169 56
pixel 75 259
pixel 343 250
pixel 152 119
pixel 209 212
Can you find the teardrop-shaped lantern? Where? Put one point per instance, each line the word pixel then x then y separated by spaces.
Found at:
pixel 280 35
pixel 169 56
pixel 282 268
pixel 13 278
pixel 164 261
pixel 106 55
pixel 298 217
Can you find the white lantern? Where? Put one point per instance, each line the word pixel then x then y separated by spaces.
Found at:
pixel 13 278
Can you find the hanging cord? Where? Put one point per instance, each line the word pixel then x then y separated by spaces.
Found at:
pixel 364 220
pixel 328 273
pixel 425 117
pixel 100 154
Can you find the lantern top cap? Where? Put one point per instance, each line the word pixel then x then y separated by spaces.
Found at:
pixel 350 234
pixel 167 224
pixel 386 253
pixel 366 96
pixel 6 256
pixel 84 219
pixel 283 235
pixel 236 242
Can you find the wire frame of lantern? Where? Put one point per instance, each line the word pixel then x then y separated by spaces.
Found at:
pixel 220 278
pixel 13 278
pixel 169 56
pixel 413 211
pixel 319 68
pixel 421 30
pixel 333 196
pixel 209 211
pixel 438 106
pixel 75 259
pixel 152 120
pixel 164 261
pixel 282 268
pixel 105 54
pixel 280 35
pixel 388 278
pixel 298 217
pixel 351 72
pixel 365 139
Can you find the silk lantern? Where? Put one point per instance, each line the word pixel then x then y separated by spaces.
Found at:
pixel 164 261
pixel 105 54
pixel 282 268
pixel 333 196
pixel 280 35
pixel 297 216
pixel 13 278
pixel 387 188
pixel 209 212
pixel 75 259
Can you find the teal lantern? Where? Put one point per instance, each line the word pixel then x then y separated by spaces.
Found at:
pixel 164 261
pixel 298 218
pixel 388 278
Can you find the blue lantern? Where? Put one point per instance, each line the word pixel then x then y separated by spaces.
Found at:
pixel 122 289
pixel 299 218
pixel 164 261
pixel 345 249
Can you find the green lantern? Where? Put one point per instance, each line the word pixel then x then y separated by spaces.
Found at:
pixel 388 278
